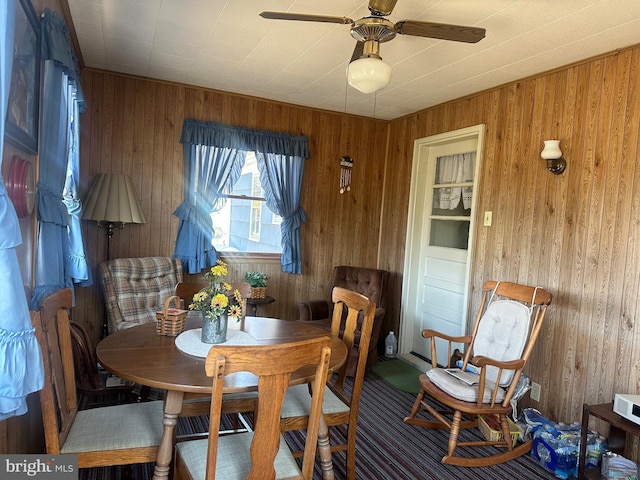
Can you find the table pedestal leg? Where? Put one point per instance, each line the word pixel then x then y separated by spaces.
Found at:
pixel 324 450
pixel 172 408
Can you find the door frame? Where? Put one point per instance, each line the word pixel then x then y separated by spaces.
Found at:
pixel 414 232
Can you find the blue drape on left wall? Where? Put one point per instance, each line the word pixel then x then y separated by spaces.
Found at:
pixel 21 369
pixel 60 257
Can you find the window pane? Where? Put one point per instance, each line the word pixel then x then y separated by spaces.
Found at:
pixel 247 225
pixel 442 206
pixel 449 233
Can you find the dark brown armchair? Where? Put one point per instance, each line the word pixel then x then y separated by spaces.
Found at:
pixel 369 282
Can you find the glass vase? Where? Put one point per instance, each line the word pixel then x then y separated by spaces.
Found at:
pixel 214 329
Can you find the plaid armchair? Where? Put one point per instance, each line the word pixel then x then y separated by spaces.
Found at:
pixel 135 288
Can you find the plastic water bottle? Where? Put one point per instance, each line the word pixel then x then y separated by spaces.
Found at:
pixel 390 345
pixel 596 446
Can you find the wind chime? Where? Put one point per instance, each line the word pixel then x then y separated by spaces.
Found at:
pixel 346 164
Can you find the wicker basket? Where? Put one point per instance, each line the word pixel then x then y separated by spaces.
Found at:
pixel 171 321
pixel 489 425
pixel 258 292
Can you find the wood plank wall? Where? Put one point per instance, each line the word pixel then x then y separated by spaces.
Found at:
pixel 132 126
pixel 575 234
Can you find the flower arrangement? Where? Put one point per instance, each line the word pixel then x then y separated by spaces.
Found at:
pixel 219 297
pixel 256 279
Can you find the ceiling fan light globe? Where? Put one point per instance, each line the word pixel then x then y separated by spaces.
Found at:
pixel 369 74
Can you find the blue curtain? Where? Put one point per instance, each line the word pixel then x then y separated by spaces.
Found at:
pixel 209 172
pixel 281 179
pixel 223 153
pixel 78 262
pixel 60 256
pixel 21 369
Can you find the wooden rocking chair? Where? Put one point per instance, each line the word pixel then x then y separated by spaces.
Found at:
pixel 506 328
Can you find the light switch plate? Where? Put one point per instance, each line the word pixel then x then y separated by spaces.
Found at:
pixel 487 218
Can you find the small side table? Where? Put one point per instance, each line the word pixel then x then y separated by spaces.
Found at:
pixel 619 427
pixel 254 302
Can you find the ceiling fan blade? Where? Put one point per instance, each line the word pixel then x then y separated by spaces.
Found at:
pixel 305 17
pixel 357 52
pixel 382 7
pixel 443 31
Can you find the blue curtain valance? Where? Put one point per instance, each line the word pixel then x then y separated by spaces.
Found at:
pixel 197 132
pixel 56 47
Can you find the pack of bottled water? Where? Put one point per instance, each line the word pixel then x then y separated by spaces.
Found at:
pixel 556 446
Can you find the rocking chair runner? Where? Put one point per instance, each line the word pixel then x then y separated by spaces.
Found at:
pixel 506 328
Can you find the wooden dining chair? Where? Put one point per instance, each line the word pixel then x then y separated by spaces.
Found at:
pixel 340 406
pixel 90 381
pixel 186 290
pixel 506 327
pixel 263 453
pixel 114 435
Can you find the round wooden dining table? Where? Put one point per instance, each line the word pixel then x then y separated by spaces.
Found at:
pixel 140 355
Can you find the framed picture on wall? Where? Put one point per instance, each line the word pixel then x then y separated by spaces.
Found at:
pixel 24 94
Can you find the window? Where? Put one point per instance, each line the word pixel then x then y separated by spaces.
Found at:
pixel 215 155
pixel 451 208
pixel 245 224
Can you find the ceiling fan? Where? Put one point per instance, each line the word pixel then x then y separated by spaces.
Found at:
pixel 367 72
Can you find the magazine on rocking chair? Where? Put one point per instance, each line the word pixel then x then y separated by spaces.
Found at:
pixel 467 377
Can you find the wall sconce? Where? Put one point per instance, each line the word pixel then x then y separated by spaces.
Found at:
pixel 553 155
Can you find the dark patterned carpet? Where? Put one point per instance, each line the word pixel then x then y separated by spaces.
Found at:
pixel 388 449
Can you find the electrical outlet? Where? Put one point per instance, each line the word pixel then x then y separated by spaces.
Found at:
pixel 534 393
pixel 487 218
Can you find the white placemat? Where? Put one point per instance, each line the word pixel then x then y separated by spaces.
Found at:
pixel 189 341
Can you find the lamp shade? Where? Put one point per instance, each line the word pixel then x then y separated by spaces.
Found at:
pixel 113 199
pixel 551 150
pixel 369 74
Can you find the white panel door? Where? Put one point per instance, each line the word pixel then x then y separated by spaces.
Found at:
pixel 439 236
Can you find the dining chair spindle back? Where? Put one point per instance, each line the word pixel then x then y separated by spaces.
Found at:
pixel 340 406
pixel 114 435
pixel 263 453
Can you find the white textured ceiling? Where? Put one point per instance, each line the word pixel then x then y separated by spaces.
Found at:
pixel 226 45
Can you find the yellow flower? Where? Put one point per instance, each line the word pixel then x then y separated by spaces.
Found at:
pixel 237 296
pixel 198 297
pixel 219 270
pixel 220 301
pixel 235 311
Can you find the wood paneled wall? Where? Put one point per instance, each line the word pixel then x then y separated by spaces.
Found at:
pixel 132 126
pixel 576 234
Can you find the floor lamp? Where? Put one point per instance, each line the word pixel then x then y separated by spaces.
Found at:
pixel 112 202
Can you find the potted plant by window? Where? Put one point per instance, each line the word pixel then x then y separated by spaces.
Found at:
pixel 258 282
